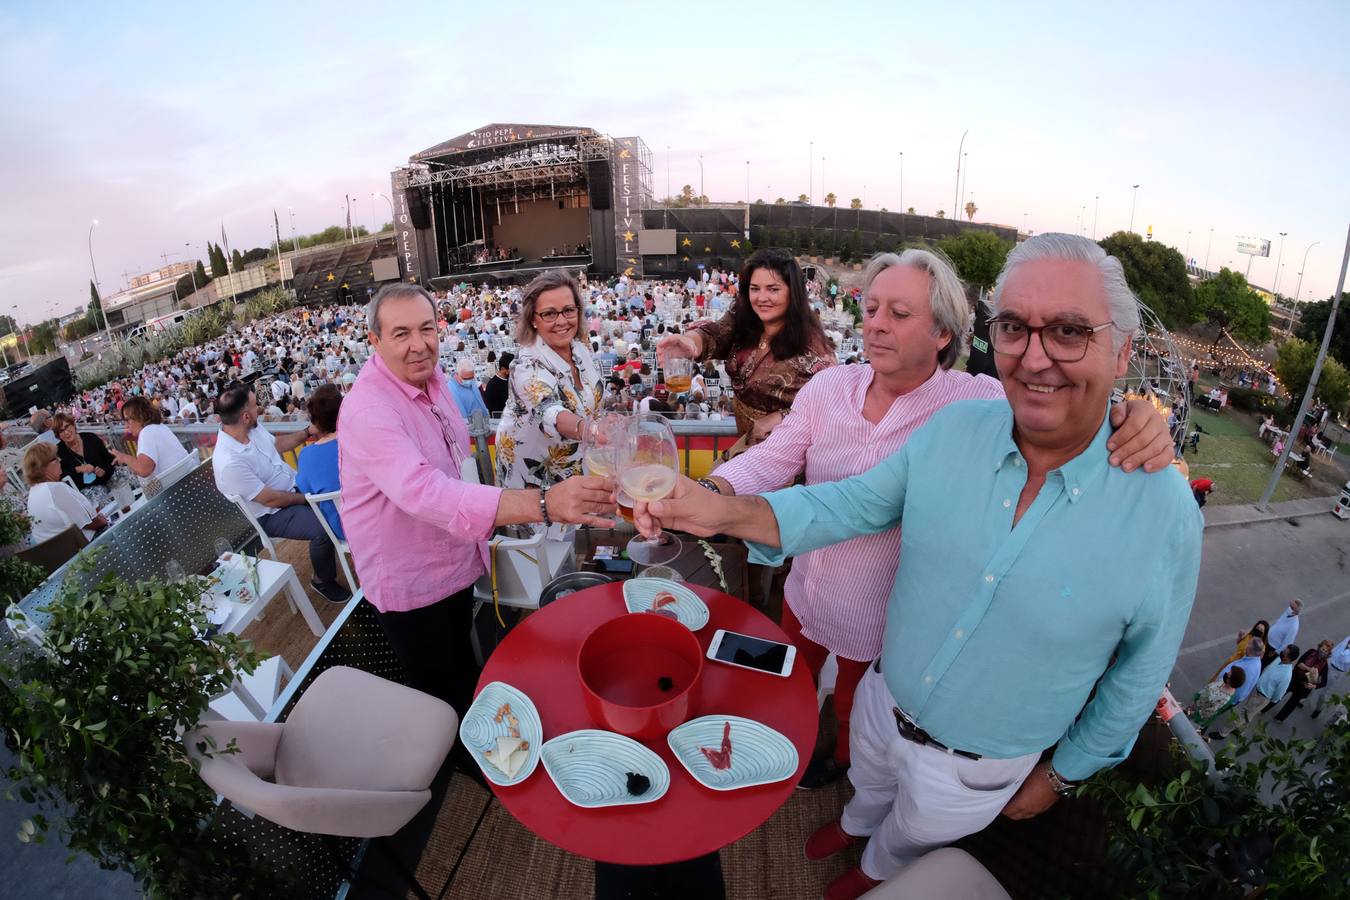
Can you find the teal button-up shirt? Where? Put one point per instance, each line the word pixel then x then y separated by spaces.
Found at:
pixel 996 636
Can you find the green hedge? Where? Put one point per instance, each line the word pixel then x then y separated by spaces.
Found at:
pixel 1252 401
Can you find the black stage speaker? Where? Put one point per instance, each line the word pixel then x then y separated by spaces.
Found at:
pixel 418 210
pixel 597 176
pixel 47 387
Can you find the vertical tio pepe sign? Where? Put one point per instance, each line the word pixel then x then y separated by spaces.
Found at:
pixel 627 208
pixel 407 241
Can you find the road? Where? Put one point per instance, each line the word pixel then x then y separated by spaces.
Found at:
pixel 1250 572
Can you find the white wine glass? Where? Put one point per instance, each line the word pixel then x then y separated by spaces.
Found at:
pixel 600 450
pixel 649 466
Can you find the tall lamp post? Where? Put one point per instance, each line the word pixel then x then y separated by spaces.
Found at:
pixel 902 183
pixel 97 294
pixel 956 195
pixel 1276 289
pixel 747 184
pixel 700 179
pixel 1299 289
pixel 1132 202
pixel 1096 202
pixel 1209 247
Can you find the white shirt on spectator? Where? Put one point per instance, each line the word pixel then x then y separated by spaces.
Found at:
pixel 158 443
pixel 1285 629
pixel 243 470
pixel 54 506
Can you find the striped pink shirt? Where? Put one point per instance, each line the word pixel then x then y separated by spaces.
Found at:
pixel 416 530
pixel 839 593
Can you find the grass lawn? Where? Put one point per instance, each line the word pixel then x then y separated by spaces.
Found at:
pixel 1240 463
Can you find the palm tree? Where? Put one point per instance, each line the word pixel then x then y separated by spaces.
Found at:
pixel 971 209
pixel 941 214
pixel 909 211
pixel 802 198
pixel 855 203
pixel 830 199
pixel 780 202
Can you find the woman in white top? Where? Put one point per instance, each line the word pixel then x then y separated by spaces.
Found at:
pixel 54 505
pixel 156 447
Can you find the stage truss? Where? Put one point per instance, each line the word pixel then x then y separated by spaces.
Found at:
pixel 1158 373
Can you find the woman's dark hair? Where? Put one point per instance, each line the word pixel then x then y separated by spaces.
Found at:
pixel 138 409
pixel 1263 625
pixel 801 330
pixel 1235 677
pixel 323 407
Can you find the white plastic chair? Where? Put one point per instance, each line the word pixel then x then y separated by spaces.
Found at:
pixel 264 685
pixel 344 549
pixel 180 469
pixel 267 544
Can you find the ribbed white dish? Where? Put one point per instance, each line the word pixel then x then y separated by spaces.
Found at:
pixel 590 768
pixel 639 593
pixel 759 755
pixel 479 732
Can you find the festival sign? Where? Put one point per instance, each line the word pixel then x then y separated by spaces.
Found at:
pixel 495 135
pixel 405 236
pixel 627 207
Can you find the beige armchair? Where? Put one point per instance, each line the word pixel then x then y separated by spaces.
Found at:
pixel 355 758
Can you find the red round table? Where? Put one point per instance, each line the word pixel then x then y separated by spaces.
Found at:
pixel 539 657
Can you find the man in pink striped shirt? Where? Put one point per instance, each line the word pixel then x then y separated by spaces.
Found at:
pixel 849 418
pixel 416 529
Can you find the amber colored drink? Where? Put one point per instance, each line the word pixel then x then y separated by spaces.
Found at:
pixel 625 506
pixel 678 384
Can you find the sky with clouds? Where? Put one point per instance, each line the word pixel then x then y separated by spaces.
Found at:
pixel 164 121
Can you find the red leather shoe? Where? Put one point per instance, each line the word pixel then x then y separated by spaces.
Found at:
pixel 849 886
pixel 828 840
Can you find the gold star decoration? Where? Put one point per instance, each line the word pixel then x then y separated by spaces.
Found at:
pixel 330 276
pixel 633 260
pixel 707 249
pixel 624 154
pixel 628 235
pixel 735 244
pixel 685 258
pixel 628 143
pixel 344 284
pixel 628 271
pixel 686 242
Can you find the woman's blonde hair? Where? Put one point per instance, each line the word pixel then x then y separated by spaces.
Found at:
pixel 35 460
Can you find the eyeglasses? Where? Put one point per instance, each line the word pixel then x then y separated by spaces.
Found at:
pixel 549 316
pixel 1061 341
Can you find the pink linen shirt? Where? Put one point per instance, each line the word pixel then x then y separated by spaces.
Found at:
pixel 416 529
pixel 839 593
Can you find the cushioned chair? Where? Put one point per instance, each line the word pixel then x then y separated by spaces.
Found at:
pixel 55 551
pixel 355 758
pixel 948 873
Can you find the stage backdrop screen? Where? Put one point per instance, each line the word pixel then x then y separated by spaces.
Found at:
pixel 385 268
pixel 656 241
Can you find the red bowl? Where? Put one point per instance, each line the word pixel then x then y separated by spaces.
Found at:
pixel 640 674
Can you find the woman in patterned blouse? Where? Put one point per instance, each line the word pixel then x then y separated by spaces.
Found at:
pixel 771 340
pixel 554 388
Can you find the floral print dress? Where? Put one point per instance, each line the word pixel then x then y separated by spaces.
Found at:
pixel 530 451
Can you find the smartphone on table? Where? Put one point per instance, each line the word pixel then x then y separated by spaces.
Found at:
pixel 754 653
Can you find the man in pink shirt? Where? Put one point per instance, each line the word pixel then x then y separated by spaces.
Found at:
pixel 849 418
pixel 417 530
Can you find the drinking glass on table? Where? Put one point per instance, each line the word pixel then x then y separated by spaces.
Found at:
pixel 222 548
pixel 174 569
pixel 649 465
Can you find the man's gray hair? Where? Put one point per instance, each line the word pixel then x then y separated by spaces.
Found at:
pixel 947 297
pixel 394 292
pixel 1120 300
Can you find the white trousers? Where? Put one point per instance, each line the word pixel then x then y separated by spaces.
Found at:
pixel 1335 677
pixel 910 799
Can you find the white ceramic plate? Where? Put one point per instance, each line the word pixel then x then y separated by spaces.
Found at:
pixel 479 730
pixel 689 608
pixel 759 755
pixel 591 767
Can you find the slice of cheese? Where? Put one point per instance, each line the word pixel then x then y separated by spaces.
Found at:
pixel 509 756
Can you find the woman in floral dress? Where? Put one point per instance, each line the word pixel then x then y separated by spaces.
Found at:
pixel 555 388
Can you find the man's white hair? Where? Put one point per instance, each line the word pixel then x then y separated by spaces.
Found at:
pixel 1120 300
pixel 951 312
pixel 465 366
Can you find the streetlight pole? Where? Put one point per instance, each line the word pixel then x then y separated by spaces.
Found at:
pixel 1188 248
pixel 902 183
pixel 1276 289
pixel 747 184
pixel 192 270
pixel 1132 202
pixel 1316 373
pixel 97 294
pixel 1096 202
pixel 295 243
pixel 960 147
pixel 965 179
pixel 700 180
pixel 668 197
pixel 1299 290
pixel 1208 247
pixel 26 352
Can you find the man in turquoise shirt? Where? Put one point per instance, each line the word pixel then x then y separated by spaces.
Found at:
pixel 1043 594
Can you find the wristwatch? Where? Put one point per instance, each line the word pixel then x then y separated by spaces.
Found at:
pixel 1057 782
pixel 710 485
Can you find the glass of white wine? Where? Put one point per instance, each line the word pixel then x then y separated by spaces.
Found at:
pixel 649 466
pixel 600 451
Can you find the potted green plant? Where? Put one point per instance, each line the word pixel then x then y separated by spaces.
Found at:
pixel 1274 822
pixel 17 577
pixel 95 713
